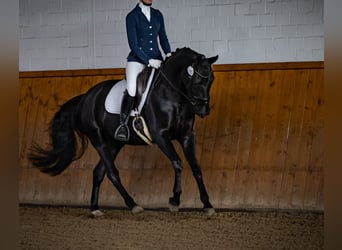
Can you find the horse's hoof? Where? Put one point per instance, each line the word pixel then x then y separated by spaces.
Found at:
pixel 137 209
pixel 209 211
pixel 97 213
pixel 173 208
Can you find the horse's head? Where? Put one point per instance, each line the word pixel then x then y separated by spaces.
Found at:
pixel 190 74
pixel 198 77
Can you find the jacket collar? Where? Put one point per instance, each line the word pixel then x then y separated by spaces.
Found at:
pixel 137 8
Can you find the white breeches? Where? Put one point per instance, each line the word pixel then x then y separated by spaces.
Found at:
pixel 132 71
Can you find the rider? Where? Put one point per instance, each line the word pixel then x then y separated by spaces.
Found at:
pixel 144 25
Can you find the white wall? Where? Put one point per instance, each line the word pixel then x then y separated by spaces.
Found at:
pixel 87 34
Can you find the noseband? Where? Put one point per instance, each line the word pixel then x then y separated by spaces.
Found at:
pixel 193 100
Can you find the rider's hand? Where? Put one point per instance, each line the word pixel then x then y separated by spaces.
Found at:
pixel 154 63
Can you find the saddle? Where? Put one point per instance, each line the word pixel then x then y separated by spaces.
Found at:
pixel 142 79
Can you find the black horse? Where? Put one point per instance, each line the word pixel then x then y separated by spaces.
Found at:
pixel 179 92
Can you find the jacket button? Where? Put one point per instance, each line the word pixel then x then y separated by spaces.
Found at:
pixel 150 27
pixel 151 48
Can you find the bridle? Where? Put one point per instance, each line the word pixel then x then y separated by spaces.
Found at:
pixel 193 100
pixel 199 74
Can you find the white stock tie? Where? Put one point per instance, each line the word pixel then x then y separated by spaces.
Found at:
pixel 146 10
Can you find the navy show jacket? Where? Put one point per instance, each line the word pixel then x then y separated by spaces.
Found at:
pixel 143 35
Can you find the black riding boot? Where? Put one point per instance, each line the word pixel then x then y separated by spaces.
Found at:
pixel 122 132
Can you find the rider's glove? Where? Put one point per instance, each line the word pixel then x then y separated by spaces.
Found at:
pixel 154 63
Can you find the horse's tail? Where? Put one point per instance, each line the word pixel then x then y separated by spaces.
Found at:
pixel 68 144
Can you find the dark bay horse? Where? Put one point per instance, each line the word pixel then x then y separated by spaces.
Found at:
pixel 180 91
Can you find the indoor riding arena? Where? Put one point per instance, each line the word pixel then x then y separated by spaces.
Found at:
pixel 260 148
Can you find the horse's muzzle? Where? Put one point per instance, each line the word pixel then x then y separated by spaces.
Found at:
pixel 202 111
pixel 201 106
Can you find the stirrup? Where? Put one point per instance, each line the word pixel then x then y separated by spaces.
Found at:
pixel 122 133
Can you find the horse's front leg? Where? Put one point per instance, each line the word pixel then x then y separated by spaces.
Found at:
pixel 188 144
pixel 168 149
pixel 174 201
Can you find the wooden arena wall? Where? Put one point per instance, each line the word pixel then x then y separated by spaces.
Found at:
pixel 260 147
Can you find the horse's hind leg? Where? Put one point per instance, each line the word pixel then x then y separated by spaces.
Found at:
pixel 108 153
pixel 113 176
pixel 98 175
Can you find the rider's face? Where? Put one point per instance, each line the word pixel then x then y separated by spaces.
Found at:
pixel 148 2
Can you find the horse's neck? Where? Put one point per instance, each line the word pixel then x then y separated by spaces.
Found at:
pixel 170 85
pixel 173 69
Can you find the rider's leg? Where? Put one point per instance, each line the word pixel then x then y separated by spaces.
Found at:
pixel 132 71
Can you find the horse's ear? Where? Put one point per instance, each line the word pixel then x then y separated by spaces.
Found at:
pixel 213 59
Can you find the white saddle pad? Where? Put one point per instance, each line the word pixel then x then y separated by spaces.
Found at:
pixel 114 97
